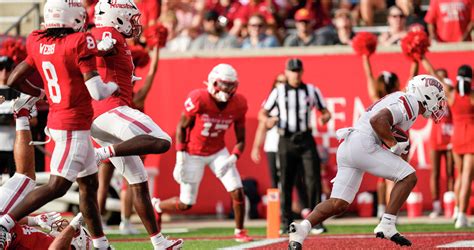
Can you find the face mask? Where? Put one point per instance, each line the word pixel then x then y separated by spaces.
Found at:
pixel 222 96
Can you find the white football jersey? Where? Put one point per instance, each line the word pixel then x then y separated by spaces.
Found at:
pixel 403 106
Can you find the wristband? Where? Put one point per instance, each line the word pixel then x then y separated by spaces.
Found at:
pixel 181 146
pixel 237 152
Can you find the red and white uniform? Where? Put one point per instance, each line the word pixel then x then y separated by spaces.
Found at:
pixel 463 125
pixel 115 121
pixel 362 150
pixel 451 18
pixel 441 133
pixel 205 144
pixel 62 63
pixel 24 237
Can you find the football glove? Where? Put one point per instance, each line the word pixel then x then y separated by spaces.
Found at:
pixel 46 220
pixel 400 148
pixel 178 171
pixel 106 44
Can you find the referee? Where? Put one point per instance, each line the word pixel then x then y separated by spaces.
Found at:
pixel 297 148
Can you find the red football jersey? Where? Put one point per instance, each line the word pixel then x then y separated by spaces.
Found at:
pixel 206 137
pixel 61 63
pixel 29 238
pixel 117 68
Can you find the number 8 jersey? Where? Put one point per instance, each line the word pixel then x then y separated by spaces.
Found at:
pixel 61 63
pixel 206 136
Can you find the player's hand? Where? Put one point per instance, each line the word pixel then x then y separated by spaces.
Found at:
pixel 224 165
pixel 77 221
pixel 271 122
pixel 401 148
pixel 106 44
pixel 178 171
pixel 255 155
pixel 45 220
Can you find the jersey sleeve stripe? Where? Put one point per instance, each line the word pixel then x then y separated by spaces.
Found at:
pixel 407 107
pixel 133 121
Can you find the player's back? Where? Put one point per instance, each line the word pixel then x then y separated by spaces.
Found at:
pixel 29 238
pixel 405 102
pixel 116 67
pixel 60 61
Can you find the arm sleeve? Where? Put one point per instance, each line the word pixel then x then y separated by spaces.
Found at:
pixel 271 101
pixel 86 51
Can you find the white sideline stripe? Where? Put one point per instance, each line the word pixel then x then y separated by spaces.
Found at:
pixel 462 243
pixel 259 243
pixel 367 236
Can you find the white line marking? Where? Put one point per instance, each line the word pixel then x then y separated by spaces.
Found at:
pixel 259 243
pixel 363 236
pixel 462 243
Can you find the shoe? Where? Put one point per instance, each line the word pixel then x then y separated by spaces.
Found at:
pixel 318 229
pixel 127 228
pixel 170 244
pixel 22 105
pixel 455 214
pixel 461 222
pixel 243 236
pixel 435 214
pixel 4 236
pixel 296 236
pixel 389 231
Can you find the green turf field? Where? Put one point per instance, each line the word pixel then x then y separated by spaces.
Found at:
pixel 203 238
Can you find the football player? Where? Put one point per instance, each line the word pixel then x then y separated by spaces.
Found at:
pixel 65 58
pixel 207 116
pixel 119 129
pixel 362 151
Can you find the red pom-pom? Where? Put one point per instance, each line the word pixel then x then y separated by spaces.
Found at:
pixel 13 48
pixel 415 44
pixel 156 35
pixel 140 56
pixel 364 43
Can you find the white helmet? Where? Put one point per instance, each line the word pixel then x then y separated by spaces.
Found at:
pixel 222 82
pixel 429 91
pixel 83 241
pixel 123 15
pixel 64 14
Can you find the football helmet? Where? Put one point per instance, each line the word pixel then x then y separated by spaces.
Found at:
pixel 222 82
pixel 123 15
pixel 429 92
pixel 64 14
pixel 83 240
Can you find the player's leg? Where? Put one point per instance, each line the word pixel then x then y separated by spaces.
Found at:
pixel 435 156
pixel 139 134
pixel 88 182
pixel 458 163
pixel 381 191
pixel 467 175
pixel 106 172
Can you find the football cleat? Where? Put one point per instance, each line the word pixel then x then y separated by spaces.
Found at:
pixel 388 231
pixel 22 105
pixel 296 234
pixel 318 229
pixel 4 235
pixel 127 228
pixel 461 222
pixel 170 244
pixel 293 245
pixel 243 236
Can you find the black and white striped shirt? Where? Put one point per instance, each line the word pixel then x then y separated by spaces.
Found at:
pixel 294 106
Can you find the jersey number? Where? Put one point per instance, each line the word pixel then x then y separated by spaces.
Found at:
pixel 212 129
pixel 52 78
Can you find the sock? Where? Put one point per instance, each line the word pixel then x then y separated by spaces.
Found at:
pixel 389 219
pixel 306 225
pixel 437 206
pixel 461 214
pixel 238 231
pixel 156 240
pixel 125 220
pixel 101 243
pixel 105 152
pixel 22 123
pixel 7 221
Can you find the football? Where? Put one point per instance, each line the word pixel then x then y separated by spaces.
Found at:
pixel 399 134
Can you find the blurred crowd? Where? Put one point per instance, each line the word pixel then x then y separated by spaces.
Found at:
pixel 217 24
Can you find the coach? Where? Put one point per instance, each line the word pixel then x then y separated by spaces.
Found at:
pixel 295 101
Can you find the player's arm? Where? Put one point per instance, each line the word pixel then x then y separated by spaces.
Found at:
pixel 96 87
pixel 184 124
pixel 142 93
pixel 382 123
pixel 239 129
pixel 64 239
pixel 17 80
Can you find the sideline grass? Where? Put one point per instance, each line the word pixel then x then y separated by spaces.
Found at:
pixel 127 242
